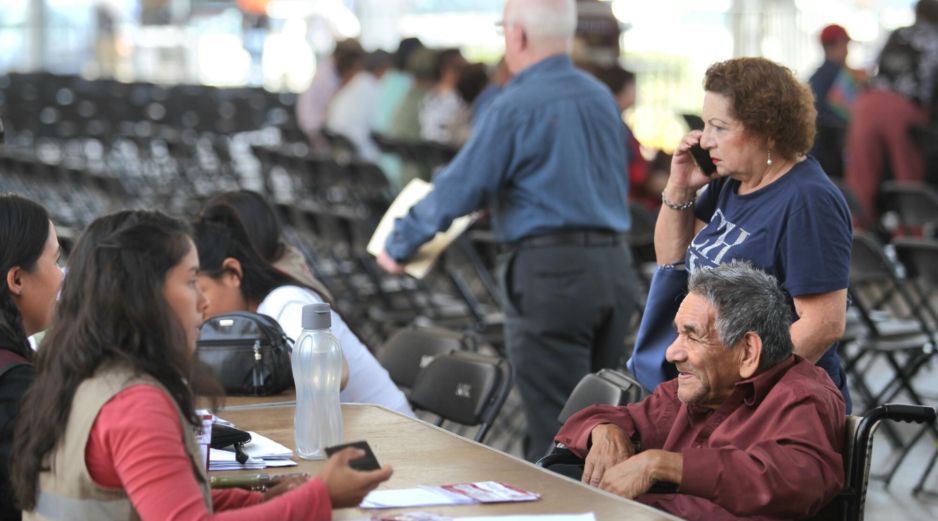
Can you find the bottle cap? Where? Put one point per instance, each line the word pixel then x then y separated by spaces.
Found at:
pixel 317 316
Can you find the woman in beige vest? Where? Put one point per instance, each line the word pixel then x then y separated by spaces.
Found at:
pixel 106 432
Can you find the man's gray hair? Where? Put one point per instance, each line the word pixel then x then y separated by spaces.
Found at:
pixel 747 299
pixel 545 20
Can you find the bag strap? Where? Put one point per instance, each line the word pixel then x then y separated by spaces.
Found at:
pixel 9 360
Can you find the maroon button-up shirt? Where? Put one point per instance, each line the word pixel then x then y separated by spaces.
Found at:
pixel 771 451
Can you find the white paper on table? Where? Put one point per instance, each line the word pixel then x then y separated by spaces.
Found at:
pixel 588 516
pixel 271 463
pixel 413 497
pixel 218 420
pixel 225 460
pixel 420 263
pixel 265 448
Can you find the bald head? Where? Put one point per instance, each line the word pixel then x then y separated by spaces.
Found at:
pixel 545 21
pixel 548 27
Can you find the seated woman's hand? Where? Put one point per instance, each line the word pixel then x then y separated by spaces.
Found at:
pixel 347 486
pixel 284 486
pixel 610 446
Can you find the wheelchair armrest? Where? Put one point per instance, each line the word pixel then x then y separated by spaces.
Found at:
pixel 559 455
pixel 908 413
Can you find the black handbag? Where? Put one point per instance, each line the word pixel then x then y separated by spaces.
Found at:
pixel 248 352
pixel 223 436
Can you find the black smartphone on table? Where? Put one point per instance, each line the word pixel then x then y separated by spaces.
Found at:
pixel 702 158
pixel 364 463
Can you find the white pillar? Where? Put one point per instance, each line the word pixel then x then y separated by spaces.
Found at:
pixel 36 35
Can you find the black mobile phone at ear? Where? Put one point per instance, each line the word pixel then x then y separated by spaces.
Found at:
pixel 702 158
pixel 366 462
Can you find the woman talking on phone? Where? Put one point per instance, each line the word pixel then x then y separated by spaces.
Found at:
pixel 767 202
pixel 107 429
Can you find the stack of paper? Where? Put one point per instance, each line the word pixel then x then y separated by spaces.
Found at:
pixel 262 452
pixel 265 448
pixel 225 460
pixel 458 494
pixel 420 263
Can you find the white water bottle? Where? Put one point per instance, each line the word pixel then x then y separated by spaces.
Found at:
pixel 317 374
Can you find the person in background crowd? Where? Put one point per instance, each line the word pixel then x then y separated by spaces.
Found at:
pixel 406 124
pixel 500 76
pixel 312 103
pixel 767 203
pixel 29 255
pixel 473 80
pixel 107 430
pixel 900 97
pixel 547 159
pixel 645 185
pixel 743 410
pixel 353 108
pixel 392 90
pixel 266 235
pixel 233 277
pixel 394 86
pixel 835 88
pixel 105 40
pixel 444 116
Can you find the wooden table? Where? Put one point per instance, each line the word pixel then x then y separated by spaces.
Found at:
pixel 286 398
pixel 423 454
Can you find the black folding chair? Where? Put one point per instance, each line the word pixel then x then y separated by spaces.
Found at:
pixel 463 387
pixel 641 238
pixel 411 349
pixel 916 204
pixel 607 386
pixel 896 329
pixel 920 258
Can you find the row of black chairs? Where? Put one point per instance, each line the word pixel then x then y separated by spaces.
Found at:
pixel 43 104
pixel 893 324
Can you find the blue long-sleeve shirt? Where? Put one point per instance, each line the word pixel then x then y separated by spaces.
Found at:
pixel 547 155
pixel 821 82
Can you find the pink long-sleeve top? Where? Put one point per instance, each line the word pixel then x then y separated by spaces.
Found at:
pixel 136 445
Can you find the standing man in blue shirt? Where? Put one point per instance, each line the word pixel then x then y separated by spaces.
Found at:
pixel 547 159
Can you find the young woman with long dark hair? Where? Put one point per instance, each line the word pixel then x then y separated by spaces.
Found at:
pixel 235 277
pixel 29 253
pixel 266 235
pixel 106 431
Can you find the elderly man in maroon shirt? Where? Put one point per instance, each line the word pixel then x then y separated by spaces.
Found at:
pixel 747 429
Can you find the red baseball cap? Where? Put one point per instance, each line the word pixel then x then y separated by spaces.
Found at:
pixel 833 33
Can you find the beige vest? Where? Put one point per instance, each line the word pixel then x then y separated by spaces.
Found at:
pixel 294 264
pixel 66 490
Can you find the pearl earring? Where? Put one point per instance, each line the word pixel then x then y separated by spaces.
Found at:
pixel 769 160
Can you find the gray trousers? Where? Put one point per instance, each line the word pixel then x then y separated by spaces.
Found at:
pixel 567 311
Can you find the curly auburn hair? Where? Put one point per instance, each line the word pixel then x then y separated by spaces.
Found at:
pixel 768 100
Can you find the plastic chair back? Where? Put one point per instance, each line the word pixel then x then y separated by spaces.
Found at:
pixel 467 388
pixel 411 349
pixel 608 387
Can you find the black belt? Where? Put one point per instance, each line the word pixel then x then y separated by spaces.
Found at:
pixel 567 238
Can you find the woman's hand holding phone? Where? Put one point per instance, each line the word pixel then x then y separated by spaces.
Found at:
pixel 686 172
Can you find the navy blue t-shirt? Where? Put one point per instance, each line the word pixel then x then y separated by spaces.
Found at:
pixel 797 229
